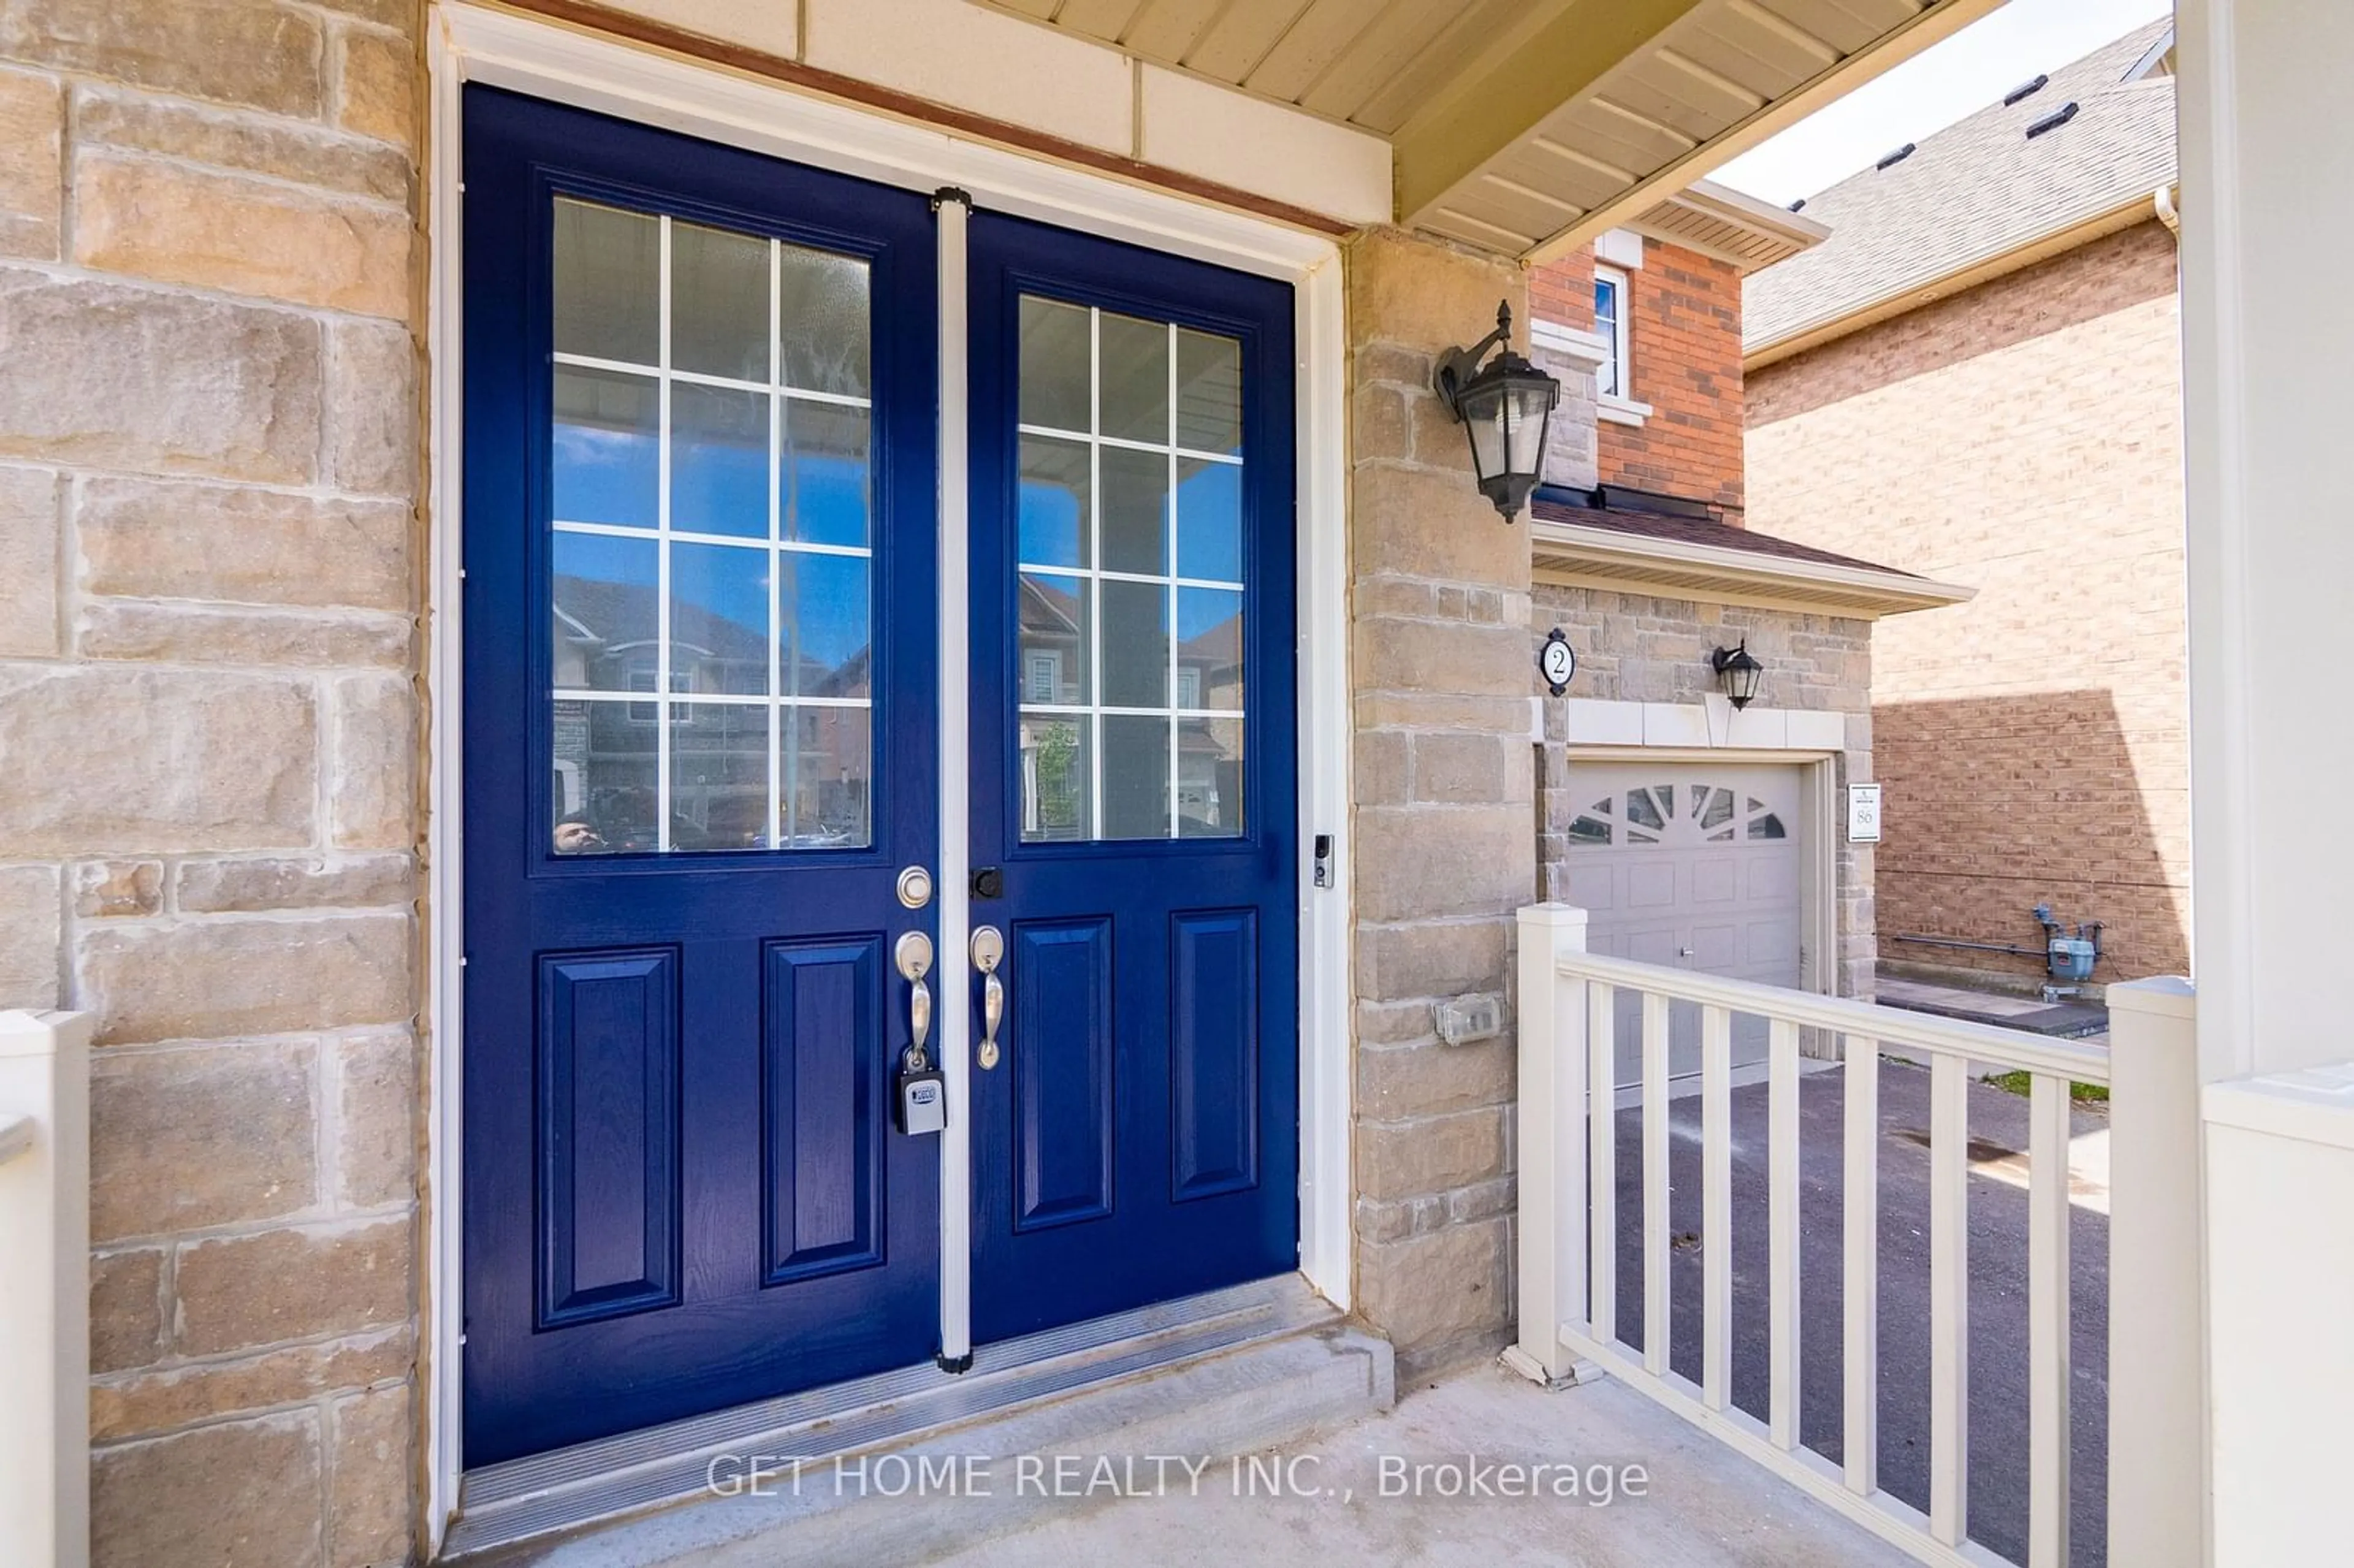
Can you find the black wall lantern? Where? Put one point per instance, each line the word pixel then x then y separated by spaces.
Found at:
pixel 1738 672
pixel 1506 406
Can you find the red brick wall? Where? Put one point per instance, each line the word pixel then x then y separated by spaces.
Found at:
pixel 2025 439
pixel 1563 292
pixel 1684 343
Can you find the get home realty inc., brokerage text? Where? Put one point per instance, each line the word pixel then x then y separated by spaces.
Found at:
pixel 1092 1476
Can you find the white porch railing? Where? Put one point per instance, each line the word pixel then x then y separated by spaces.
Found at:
pixel 45 1288
pixel 1570 1248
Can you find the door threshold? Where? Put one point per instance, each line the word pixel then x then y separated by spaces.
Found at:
pixel 542 1494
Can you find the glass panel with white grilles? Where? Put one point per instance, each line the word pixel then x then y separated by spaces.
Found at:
pixel 1130 592
pixel 712 492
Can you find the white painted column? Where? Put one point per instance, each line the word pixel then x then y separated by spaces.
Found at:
pixel 2267 195
pixel 953 1032
pixel 45 1288
pixel 2267 142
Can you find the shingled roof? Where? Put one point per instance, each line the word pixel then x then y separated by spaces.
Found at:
pixel 1977 191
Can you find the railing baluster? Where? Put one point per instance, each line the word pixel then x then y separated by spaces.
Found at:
pixel 1602 1148
pixel 1859 1269
pixel 1949 1299
pixel 2047 1323
pixel 1655 1182
pixel 1716 1205
pixel 1782 1228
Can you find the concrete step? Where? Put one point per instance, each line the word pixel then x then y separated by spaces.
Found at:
pixel 950 1461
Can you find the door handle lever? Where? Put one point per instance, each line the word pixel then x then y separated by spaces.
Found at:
pixel 914 956
pixel 988 953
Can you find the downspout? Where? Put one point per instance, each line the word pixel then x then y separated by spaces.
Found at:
pixel 2162 199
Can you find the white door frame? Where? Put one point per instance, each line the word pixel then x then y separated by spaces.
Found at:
pixel 466 42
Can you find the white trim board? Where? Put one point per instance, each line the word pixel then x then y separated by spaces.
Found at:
pixel 1585 349
pixel 467 43
pixel 952 871
pixel 1711 723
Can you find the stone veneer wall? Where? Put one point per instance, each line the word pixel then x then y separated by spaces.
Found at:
pixel 1439 619
pixel 209 586
pixel 1638 647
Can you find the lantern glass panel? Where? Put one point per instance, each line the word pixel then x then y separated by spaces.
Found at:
pixel 1484 417
pixel 1525 452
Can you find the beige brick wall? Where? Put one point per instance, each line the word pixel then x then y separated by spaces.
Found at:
pixel 2024 438
pixel 209 590
pixel 1439 615
pixel 1642 648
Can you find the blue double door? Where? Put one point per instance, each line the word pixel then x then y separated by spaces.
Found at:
pixel 701 699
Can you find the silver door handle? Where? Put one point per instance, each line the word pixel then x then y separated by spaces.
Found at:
pixel 914 955
pixel 988 953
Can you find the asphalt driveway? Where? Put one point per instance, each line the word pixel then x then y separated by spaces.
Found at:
pixel 1998 1296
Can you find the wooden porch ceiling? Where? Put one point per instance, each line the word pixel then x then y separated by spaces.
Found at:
pixel 1529 126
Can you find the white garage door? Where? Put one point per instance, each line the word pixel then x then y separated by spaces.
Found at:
pixel 1694 865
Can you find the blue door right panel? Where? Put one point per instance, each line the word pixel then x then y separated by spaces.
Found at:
pixel 1134 774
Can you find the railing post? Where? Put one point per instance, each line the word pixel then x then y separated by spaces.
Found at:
pixel 2158 1422
pixel 1552 1111
pixel 45 1288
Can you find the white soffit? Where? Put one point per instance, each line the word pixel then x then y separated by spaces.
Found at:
pixel 1529 126
pixel 1718 221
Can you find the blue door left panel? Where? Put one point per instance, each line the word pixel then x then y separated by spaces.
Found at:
pixel 683 1188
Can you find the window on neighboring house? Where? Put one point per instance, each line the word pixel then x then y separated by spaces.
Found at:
pixel 1189 688
pixel 1045 681
pixel 645 678
pixel 1611 378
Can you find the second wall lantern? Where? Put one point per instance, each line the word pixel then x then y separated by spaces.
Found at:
pixel 1738 672
pixel 1506 406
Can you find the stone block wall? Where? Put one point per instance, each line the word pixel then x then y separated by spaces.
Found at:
pixel 2023 437
pixel 210 579
pixel 1641 648
pixel 1438 618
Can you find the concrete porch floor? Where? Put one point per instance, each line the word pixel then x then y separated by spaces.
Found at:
pixel 1703 1504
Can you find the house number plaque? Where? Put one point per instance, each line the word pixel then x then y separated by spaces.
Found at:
pixel 1556 661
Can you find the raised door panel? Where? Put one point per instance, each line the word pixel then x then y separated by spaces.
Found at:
pixel 823 1091
pixel 1061 1056
pixel 608 1134
pixel 1594 888
pixel 1213 1055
